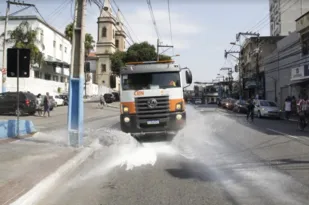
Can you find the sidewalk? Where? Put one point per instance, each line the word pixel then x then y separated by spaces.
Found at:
pixel 26 162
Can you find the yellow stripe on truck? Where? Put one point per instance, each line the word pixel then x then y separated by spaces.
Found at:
pixel 130 105
pixel 174 102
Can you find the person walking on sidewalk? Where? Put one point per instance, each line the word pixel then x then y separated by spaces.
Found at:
pixel 303 111
pixel 287 107
pixel 46 103
pixel 250 110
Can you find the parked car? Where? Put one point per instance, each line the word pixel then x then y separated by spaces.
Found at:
pixel 27 103
pixel 240 106
pixel 65 99
pixel 59 101
pixel 117 96
pixel 266 108
pixel 109 97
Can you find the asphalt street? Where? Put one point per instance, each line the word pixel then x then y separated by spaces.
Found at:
pixel 219 158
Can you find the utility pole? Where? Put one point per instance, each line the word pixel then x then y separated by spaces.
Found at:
pixel 161 46
pixel 77 78
pixel 257 65
pixel 4 63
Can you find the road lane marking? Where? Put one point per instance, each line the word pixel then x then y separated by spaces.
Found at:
pixel 282 133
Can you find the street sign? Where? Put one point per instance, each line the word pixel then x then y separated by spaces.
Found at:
pixel 24 62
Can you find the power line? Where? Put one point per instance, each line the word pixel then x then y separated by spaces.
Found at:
pixel 56 13
pixel 153 18
pixel 127 31
pixel 126 20
pixel 262 21
pixel 288 8
pixel 169 16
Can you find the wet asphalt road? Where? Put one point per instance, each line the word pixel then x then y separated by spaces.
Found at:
pixel 218 159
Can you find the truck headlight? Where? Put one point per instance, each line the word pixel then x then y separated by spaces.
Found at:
pixel 179 106
pixel 125 109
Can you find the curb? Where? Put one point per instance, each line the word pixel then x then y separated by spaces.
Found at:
pixel 41 189
pixel 8 128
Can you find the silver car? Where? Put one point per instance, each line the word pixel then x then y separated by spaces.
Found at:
pixel 266 108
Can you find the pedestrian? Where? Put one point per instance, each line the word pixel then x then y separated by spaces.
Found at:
pixel 250 109
pixel 46 104
pixel 287 107
pixel 102 101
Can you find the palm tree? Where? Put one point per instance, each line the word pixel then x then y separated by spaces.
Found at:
pixel 24 36
pixel 89 41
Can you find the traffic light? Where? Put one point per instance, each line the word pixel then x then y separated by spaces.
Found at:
pixel 87 67
pixel 24 62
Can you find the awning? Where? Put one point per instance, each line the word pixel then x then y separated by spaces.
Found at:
pixel 58 63
pixel 293 82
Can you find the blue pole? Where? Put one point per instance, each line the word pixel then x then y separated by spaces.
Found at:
pixel 76 102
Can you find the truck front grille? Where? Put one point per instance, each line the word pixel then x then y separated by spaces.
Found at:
pixel 159 112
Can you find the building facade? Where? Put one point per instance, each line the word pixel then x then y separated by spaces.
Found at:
pixel 252 72
pixel 286 69
pixel 283 13
pixel 111 37
pixel 52 76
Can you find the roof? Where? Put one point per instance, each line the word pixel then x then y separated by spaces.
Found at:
pixel 302 16
pixel 33 17
pixel 150 68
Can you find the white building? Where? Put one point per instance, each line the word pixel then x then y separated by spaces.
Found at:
pixel 53 75
pixel 283 14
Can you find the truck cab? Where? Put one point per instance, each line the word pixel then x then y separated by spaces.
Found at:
pixel 152 97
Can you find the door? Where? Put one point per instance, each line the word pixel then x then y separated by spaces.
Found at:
pixel 3 103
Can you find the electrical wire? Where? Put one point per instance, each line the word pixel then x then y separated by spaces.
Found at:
pixel 288 8
pixel 265 19
pixel 170 22
pixel 56 13
pixel 153 18
pixel 126 21
pixel 124 27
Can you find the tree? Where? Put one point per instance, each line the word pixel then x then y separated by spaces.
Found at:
pixel 89 41
pixel 117 61
pixel 23 36
pixel 141 52
pixel 136 52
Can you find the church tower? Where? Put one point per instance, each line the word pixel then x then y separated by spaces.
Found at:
pixel 120 42
pixel 105 43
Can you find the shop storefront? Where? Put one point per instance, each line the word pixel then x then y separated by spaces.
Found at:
pixel 299 81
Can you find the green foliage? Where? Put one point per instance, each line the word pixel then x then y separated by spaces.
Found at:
pixel 136 52
pixel 117 61
pixel 23 36
pixel 89 41
pixel 141 52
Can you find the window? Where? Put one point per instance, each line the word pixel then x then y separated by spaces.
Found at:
pixel 103 81
pixel 42 37
pixel 117 43
pixel 143 81
pixel 62 79
pixel 55 78
pixel 104 30
pixel 103 68
pixel 60 47
pixel 113 33
pixel 47 76
pixel 65 49
pixel 54 44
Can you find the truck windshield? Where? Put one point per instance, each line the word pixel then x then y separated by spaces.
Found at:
pixel 144 81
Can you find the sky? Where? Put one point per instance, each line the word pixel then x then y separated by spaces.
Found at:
pixel 201 29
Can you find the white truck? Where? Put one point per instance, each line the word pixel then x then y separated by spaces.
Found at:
pixel 152 97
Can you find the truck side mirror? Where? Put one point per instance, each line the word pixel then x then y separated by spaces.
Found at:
pixel 188 77
pixel 113 81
